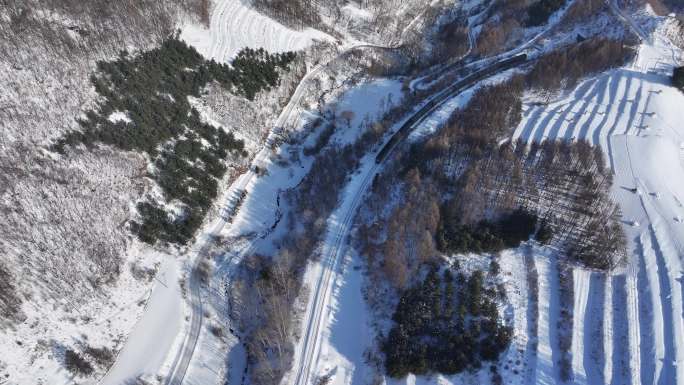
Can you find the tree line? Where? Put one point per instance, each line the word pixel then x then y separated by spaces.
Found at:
pixel 294 13
pixel 563 68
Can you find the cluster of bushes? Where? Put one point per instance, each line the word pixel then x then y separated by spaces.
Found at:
pixel 81 363
pixel 563 184
pixel 497 34
pixel 189 156
pixel 10 303
pixel 487 236
pixel 539 12
pixel 452 41
pixel 564 67
pixel 76 363
pixel 447 323
pixel 322 140
pixel 678 78
pixel 251 71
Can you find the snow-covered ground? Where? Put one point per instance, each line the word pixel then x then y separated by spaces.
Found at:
pixel 629 326
pixel 161 322
pixel 235 26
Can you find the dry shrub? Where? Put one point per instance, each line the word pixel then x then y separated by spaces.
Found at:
pixel 563 68
pixel 204 12
pixel 495 36
pixel 76 364
pixel 10 303
pixel 580 10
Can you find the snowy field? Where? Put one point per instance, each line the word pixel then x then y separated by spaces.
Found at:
pixel 629 326
pixel 235 26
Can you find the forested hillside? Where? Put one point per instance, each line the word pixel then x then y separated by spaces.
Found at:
pixel 103 123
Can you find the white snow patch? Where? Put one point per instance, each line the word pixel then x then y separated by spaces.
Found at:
pixel 153 336
pixel 118 116
pixel 235 26
pixel 634 115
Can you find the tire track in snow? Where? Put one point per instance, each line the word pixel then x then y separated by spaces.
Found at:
pixel 581 294
pixel 660 348
pixel 634 326
pixel 532 316
pixel 607 330
pixel 621 333
pixel 648 320
pixel 605 136
pixel 548 352
pixel 671 312
pixel 608 336
pixel 589 357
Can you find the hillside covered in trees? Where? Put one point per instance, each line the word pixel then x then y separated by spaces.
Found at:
pixel 466 189
pixel 145 107
pixel 447 323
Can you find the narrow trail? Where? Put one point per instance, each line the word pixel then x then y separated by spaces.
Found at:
pixel 532 316
pixel 670 292
pixel 621 374
pixel 582 329
pixel 607 304
pixel 634 324
pixel 548 351
pixel 589 357
pixel 650 322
